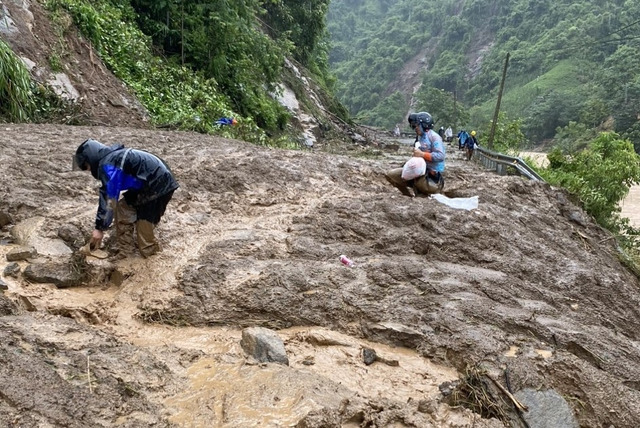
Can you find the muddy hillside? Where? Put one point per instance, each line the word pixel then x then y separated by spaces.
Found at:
pixel 517 312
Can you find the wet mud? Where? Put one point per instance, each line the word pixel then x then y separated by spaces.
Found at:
pixel 526 286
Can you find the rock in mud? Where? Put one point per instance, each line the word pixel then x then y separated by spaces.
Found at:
pixel 5 219
pixel 546 409
pixel 62 275
pixel 7 307
pixel 264 345
pixel 369 356
pixel 3 285
pixel 21 253
pixel 71 235
pixel 326 418
pixel 12 270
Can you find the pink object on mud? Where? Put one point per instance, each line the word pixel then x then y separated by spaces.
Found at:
pixel 346 261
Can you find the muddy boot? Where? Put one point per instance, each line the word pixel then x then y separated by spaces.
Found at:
pixel 125 220
pixel 147 243
pixel 395 177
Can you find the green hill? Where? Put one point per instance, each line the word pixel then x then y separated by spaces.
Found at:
pixel 570 61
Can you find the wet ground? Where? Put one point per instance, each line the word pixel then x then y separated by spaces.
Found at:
pixel 525 287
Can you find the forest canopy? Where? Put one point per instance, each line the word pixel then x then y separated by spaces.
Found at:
pixel 569 61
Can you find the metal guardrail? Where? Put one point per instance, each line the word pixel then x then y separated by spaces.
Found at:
pixel 500 163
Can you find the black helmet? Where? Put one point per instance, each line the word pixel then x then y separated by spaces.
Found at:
pixel 423 118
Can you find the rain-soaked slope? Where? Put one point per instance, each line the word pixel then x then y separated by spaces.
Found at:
pixel 253 237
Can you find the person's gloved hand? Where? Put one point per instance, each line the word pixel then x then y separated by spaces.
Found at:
pixel 96 239
pixel 420 154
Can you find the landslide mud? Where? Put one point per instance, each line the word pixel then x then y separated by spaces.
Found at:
pixel 526 284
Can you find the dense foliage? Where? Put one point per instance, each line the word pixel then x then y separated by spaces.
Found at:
pixel 15 86
pixel 191 62
pixel 570 61
pixel 600 175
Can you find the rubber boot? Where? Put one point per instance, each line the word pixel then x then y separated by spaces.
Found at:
pixel 147 243
pixel 125 219
pixel 395 177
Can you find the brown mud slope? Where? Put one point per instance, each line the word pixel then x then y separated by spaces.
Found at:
pixel 526 284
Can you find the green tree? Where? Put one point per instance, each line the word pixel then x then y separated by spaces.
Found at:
pixel 508 137
pixel 600 175
pixel 442 107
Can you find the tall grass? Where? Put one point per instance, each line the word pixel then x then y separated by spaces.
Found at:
pixel 16 97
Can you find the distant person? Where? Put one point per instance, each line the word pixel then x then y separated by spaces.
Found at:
pixel 471 144
pixel 430 147
pixel 441 132
pixel 148 186
pixel 462 139
pixel 448 135
pixel 396 131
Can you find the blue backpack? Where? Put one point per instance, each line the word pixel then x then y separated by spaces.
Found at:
pixel 464 137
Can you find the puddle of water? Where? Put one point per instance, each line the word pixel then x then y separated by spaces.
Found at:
pixel 223 391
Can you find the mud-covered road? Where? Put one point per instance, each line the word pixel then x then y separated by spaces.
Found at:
pixel 525 288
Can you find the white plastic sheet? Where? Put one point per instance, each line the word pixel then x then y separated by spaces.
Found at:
pixel 457 203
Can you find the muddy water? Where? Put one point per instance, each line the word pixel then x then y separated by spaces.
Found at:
pixel 631 206
pixel 224 390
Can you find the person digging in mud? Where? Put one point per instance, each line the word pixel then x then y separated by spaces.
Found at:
pixel 148 186
pixel 430 147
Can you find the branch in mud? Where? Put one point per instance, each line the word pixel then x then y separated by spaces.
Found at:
pixel 480 393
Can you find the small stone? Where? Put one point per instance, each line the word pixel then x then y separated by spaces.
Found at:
pixel 12 270
pixel 369 356
pixel 5 219
pixel 427 406
pixel 21 253
pixel 264 345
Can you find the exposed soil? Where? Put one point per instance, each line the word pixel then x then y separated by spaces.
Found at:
pixel 526 286
pixel 526 282
pixel 101 98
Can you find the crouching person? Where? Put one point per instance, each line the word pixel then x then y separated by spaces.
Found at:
pixel 429 146
pixel 148 186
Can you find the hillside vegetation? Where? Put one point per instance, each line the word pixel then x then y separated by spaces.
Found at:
pixel 189 63
pixel 569 61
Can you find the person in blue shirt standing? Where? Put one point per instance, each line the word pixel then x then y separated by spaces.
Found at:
pixel 430 147
pixel 471 144
pixel 462 139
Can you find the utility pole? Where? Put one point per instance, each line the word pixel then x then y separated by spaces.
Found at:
pixel 182 31
pixel 495 115
pixel 455 110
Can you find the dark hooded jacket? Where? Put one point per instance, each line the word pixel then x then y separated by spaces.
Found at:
pixel 144 176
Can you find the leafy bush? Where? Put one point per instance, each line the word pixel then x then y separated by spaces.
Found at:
pixel 508 137
pixel 600 176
